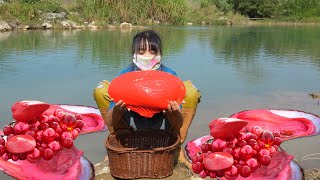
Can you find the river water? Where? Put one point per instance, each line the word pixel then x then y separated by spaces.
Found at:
pixel 235 68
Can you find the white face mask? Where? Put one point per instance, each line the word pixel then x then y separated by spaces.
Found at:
pixel 147 63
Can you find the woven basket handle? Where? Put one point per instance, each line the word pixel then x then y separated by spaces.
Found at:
pixel 125 150
pixel 165 148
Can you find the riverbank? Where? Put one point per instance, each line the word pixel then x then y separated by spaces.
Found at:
pixel 181 172
pixel 63 24
pixel 69 25
pixel 312 174
pixel 101 14
pixel 67 14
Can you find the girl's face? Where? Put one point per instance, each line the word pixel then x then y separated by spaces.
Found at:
pixel 147 59
pixel 146 52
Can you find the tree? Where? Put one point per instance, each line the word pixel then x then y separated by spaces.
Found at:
pixel 255 8
pixel 223 5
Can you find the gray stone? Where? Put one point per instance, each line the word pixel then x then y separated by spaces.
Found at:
pixel 125 25
pixel 66 24
pixel 75 25
pixel 222 18
pixel 4 26
pixel 71 25
pixel 26 27
pixel 204 23
pixel 46 25
pixel 53 16
pixel 14 24
pixel 93 25
pixel 156 22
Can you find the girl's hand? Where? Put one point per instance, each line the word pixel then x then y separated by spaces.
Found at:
pixel 114 118
pixel 118 110
pixel 173 106
pixel 174 115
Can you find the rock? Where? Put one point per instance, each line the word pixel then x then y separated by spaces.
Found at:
pixel 222 18
pixel 125 25
pixel 81 26
pixel 156 22
pixel 14 24
pixel 46 25
pixel 26 27
pixel 75 25
pixel 71 25
pixel 34 26
pixel 109 26
pixel 4 26
pixel 66 24
pixel 53 16
pixel 93 25
pixel 101 168
pixel 315 95
pixel 312 174
pixel 189 23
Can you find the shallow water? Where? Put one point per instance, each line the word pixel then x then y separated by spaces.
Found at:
pixel 235 68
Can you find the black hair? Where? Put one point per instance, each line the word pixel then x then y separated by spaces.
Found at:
pixel 140 41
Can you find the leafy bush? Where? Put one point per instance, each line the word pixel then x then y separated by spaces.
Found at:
pixel 256 8
pixel 133 11
pixel 164 11
pixel 223 5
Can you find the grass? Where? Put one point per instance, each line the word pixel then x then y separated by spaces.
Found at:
pixel 28 12
pixel 140 12
pixel 137 12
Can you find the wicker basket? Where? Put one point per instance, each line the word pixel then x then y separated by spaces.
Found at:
pixel 141 154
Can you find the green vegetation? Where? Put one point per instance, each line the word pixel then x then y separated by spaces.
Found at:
pixel 293 10
pixel 27 10
pixel 134 11
pixel 141 12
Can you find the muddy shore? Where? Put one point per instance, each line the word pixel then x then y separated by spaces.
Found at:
pixel 181 172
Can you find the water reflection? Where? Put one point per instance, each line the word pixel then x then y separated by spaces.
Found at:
pixel 237 46
pixel 284 43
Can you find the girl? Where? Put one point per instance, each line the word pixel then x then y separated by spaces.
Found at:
pixel 147 53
